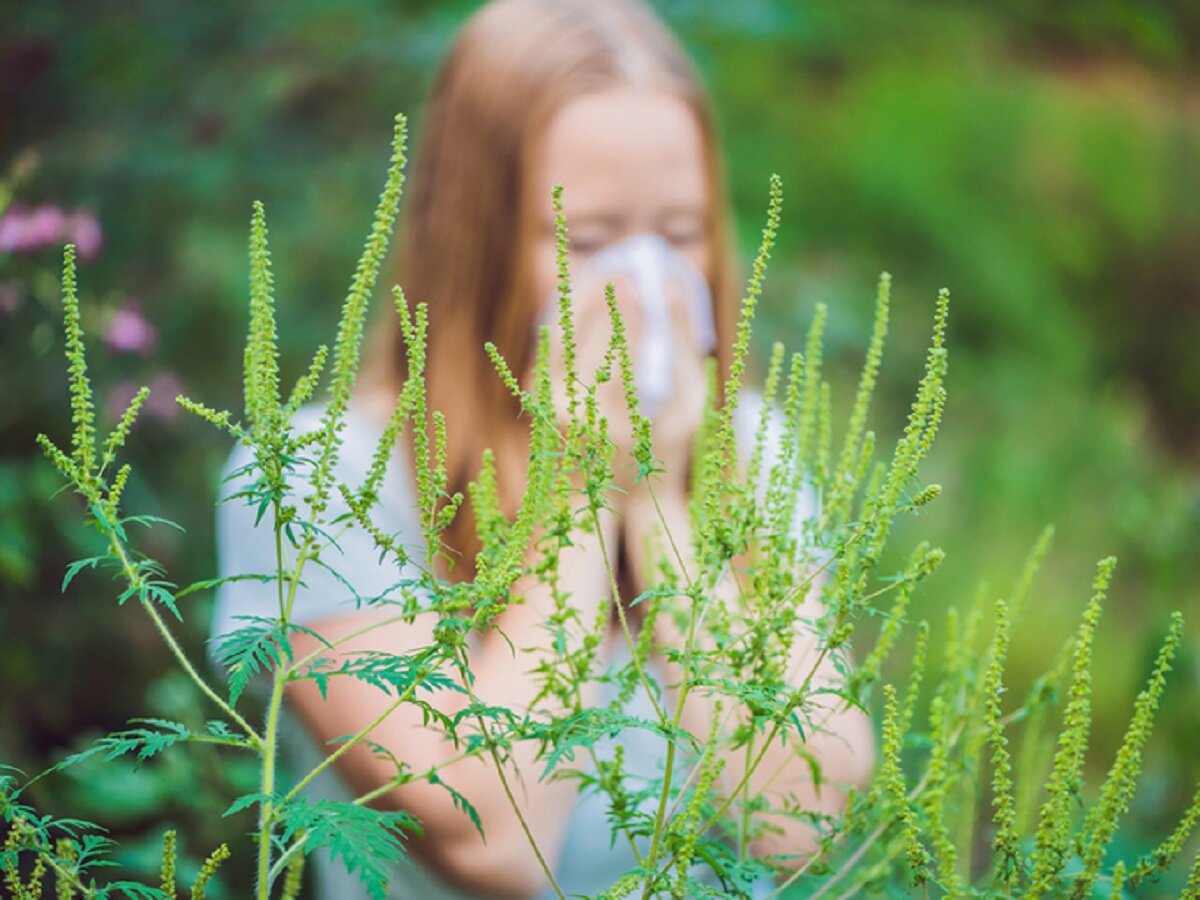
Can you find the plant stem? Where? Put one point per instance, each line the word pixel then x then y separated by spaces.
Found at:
pixel 132 576
pixel 744 823
pixel 512 800
pixel 661 814
pixel 345 638
pixel 404 697
pixel 616 595
pixel 667 531
pixel 778 724
pixel 285 857
pixel 669 765
pixel 266 810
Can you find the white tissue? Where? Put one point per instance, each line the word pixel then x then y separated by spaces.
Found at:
pixel 652 266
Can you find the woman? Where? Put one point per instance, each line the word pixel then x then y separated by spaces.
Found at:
pixel 600 98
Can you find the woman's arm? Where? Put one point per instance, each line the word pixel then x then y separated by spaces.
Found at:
pixel 504 675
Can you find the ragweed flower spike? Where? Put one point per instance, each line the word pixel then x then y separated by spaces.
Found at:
pixel 643 450
pixel 925 496
pixel 819 472
pixel 781 483
pixel 1159 859
pixel 1117 790
pixel 1051 849
pixel 915 677
pixel 1033 562
pixel 500 364
pixel 566 318
pixel 891 779
pixel 83 407
pixel 720 449
pixel 220 419
pixel 168 865
pixel 741 343
pixel 941 775
pixel 1006 844
pixel 294 879
pixel 811 393
pixel 845 482
pixel 924 562
pixel 116 439
pixel 262 345
pixel 208 871
pixel 484 494
pixel 62 462
pixel 923 420
pixel 67 853
pixel 348 344
pixel 306 384
pixel 770 391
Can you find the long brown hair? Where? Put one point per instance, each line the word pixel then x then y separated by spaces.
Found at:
pixel 469 220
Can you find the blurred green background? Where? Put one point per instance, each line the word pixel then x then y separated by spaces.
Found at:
pixel 1041 160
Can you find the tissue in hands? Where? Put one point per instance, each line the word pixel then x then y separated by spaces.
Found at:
pixel 657 273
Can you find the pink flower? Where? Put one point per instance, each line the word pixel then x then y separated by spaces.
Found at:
pixel 164 388
pixel 45 227
pixel 24 230
pixel 13 230
pixel 83 230
pixel 129 332
pixel 10 298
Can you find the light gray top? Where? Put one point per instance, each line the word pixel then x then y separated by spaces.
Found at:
pixel 589 860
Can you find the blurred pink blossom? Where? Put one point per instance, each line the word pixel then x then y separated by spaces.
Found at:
pixel 24 230
pixel 45 226
pixel 164 388
pixel 83 230
pixel 129 332
pixel 117 398
pixel 10 298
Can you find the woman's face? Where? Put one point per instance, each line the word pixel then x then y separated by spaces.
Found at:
pixel 631 160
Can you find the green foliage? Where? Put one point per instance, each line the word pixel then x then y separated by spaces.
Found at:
pixel 761 585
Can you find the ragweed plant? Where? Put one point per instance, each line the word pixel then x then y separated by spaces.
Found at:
pixel 766 592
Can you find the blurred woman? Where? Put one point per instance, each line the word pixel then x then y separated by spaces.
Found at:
pixel 600 98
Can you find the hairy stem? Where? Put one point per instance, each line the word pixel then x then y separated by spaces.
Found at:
pixel 512 800
pixel 132 576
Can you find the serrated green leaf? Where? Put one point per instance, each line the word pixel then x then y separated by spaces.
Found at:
pixel 146 743
pixel 251 649
pixel 368 841
pixel 79 565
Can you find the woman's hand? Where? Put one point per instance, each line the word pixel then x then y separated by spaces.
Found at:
pixel 675 418
pixel 593 335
